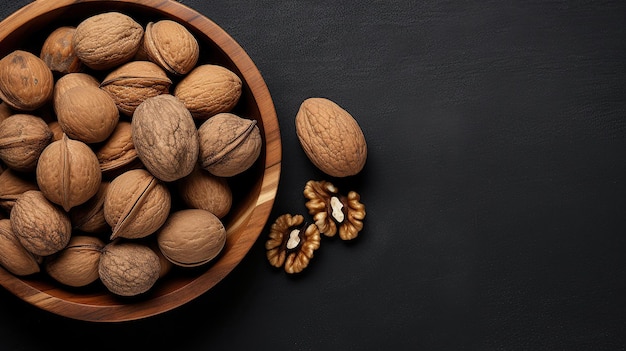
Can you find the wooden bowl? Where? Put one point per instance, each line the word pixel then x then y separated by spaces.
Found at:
pixel 254 194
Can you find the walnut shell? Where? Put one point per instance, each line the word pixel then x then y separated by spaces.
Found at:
pixel 136 204
pixel 77 264
pixel 22 139
pixel 206 191
pixel 57 131
pixel 107 40
pixel 69 81
pixel 128 268
pixel 13 256
pixel 89 216
pixel 68 172
pixel 58 53
pixel 26 82
pixel 5 111
pixel 191 237
pixel 172 46
pixel 330 137
pixel 132 83
pixel 208 90
pixel 42 227
pixel 87 113
pixel 165 137
pixel 118 151
pixel 229 144
pixel 12 185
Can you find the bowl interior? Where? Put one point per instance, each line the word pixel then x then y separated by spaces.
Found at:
pixel 253 190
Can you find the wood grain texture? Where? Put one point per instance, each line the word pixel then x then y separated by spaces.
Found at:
pixel 254 201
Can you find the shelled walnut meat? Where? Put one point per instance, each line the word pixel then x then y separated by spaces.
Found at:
pixel 334 212
pixel 292 243
pixel 118 142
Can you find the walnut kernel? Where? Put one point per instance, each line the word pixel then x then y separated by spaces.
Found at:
pixel 334 212
pixel 292 243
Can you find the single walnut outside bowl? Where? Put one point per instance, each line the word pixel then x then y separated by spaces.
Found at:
pixel 253 197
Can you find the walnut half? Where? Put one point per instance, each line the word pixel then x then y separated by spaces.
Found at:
pixel 291 243
pixel 331 210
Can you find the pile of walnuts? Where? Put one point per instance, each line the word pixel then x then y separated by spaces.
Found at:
pixel 101 132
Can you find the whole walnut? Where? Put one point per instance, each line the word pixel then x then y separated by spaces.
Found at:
pixel 42 227
pixel 132 83
pixel 58 53
pixel 26 82
pixel 191 237
pixel 13 256
pixel 57 131
pixel 12 185
pixel 208 90
pixel 165 137
pixel 172 46
pixel 77 264
pixel 136 204
pixel 107 40
pixel 22 139
pixel 5 111
pixel 128 268
pixel 89 216
pixel 68 172
pixel 206 191
pixel 71 80
pixel 229 144
pixel 118 152
pixel 330 137
pixel 87 113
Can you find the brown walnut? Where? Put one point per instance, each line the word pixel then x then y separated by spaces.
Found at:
pixel 107 40
pixel 57 131
pixel 13 256
pixel 12 185
pixel 136 204
pixel 132 83
pixel 191 237
pixel 77 264
pixel 26 82
pixel 89 216
pixel 206 191
pixel 165 137
pixel 58 53
pixel 229 144
pixel 118 151
pixel 331 210
pixel 42 227
pixel 69 81
pixel 68 172
pixel 87 113
pixel 5 111
pixel 330 137
pixel 23 137
pixel 208 90
pixel 170 45
pixel 292 243
pixel 128 268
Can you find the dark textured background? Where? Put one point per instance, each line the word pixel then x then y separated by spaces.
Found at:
pixel 495 184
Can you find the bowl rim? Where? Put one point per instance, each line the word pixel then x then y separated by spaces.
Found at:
pixel 254 219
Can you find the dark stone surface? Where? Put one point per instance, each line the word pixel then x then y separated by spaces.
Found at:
pixel 495 185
